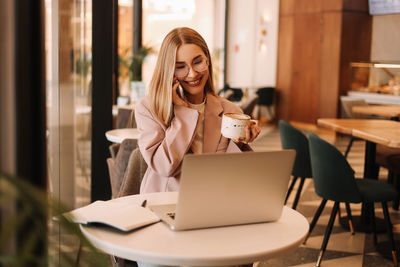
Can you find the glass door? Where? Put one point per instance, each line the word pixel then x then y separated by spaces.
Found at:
pixel 68 46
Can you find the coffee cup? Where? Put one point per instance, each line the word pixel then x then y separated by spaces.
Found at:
pixel 234 125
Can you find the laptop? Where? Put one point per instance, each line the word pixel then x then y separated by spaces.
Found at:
pixel 229 189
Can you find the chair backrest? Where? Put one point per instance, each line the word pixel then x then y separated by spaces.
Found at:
pixel 266 95
pixel 333 177
pixel 229 94
pixel 292 138
pixel 134 173
pixel 348 103
pixel 237 93
pixel 132 121
pixel 249 105
pixel 113 148
pixel 117 166
pixel 125 118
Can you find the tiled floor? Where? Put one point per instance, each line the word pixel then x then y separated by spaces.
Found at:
pixel 343 248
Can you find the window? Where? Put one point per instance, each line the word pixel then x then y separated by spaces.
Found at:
pixel 205 16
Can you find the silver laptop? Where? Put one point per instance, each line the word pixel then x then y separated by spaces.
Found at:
pixel 229 189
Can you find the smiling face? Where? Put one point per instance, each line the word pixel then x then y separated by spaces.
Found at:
pixel 191 56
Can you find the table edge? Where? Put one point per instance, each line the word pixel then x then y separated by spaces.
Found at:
pixel 125 253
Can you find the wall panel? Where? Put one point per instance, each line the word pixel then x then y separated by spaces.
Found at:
pixel 325 37
pixel 305 56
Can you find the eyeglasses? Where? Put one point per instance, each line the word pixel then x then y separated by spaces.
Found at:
pixel 199 65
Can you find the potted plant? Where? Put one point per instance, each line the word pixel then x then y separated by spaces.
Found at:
pixel 138 88
pixel 30 221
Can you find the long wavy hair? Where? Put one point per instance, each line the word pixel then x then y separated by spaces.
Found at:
pixel 160 88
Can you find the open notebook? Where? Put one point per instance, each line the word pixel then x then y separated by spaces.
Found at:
pixel 117 214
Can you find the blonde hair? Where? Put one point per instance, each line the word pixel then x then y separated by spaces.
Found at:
pixel 160 87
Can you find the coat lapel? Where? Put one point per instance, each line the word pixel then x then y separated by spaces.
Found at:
pixel 212 124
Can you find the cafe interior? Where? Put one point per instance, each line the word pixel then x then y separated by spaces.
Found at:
pixel 320 77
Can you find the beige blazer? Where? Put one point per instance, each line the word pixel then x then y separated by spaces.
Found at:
pixel 164 148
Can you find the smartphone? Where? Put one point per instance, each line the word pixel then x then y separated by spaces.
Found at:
pixel 180 92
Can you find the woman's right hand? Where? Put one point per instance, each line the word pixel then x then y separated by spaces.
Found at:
pixel 176 99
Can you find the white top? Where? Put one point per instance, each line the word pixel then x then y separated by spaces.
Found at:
pixel 231 245
pixel 197 145
pixel 118 135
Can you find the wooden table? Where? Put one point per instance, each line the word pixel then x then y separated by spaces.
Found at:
pixel 384 132
pixel 386 136
pixel 118 135
pixel 387 111
pixel 218 246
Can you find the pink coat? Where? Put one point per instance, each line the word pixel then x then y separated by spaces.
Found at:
pixel 164 148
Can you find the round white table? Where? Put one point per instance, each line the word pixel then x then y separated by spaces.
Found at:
pixel 118 135
pixel 231 245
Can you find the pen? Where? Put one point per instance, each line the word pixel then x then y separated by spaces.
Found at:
pixel 144 203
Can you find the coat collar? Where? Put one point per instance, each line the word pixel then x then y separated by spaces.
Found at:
pixel 212 123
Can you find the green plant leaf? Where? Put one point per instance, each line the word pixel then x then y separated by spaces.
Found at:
pixel 34 207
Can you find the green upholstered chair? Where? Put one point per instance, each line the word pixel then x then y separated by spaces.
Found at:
pixel 334 180
pixel 292 138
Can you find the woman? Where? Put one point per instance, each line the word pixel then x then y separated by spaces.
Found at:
pixel 172 123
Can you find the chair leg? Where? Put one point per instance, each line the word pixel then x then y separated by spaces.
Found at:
pixel 328 232
pixel 270 113
pixel 350 218
pixel 296 199
pixel 78 255
pixel 390 232
pixel 396 183
pixel 390 177
pixel 374 225
pixel 315 219
pixel 290 188
pixel 349 147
